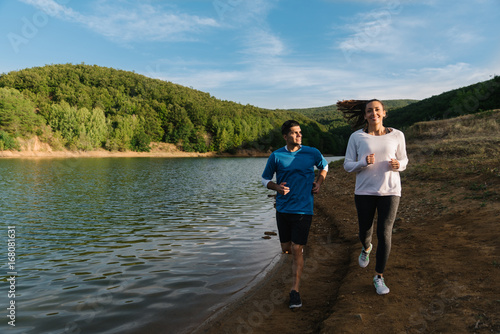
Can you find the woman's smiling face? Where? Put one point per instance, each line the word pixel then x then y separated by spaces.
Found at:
pixel 374 112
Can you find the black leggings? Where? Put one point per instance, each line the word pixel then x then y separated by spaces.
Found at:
pixel 386 207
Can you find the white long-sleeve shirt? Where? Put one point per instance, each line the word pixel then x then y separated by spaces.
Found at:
pixel 377 179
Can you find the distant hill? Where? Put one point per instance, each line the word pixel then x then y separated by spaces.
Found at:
pixel 462 101
pixel 84 107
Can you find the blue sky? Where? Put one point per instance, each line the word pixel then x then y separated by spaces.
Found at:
pixel 271 54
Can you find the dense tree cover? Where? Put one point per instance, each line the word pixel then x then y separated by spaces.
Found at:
pixel 466 100
pixel 86 107
pixel 17 118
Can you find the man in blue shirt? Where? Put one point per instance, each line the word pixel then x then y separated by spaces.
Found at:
pixel 294 165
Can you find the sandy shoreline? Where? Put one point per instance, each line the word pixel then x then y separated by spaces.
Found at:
pixel 127 154
pixel 99 154
pixel 34 148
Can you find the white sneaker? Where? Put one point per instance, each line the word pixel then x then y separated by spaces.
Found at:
pixel 380 286
pixel 364 257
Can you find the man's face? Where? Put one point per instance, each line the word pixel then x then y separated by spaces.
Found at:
pixel 294 137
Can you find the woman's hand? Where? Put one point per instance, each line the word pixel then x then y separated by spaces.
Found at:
pixel 370 159
pixel 394 164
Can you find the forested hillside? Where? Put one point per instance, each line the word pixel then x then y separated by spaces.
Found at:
pixel 84 107
pixel 458 102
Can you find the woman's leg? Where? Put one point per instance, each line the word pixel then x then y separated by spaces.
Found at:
pixel 387 209
pixel 366 206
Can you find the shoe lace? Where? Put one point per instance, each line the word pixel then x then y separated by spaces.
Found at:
pixel 379 281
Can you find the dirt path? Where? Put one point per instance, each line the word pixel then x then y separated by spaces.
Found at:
pixel 443 270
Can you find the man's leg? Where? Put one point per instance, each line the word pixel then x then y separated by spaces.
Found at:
pixel 285 232
pixel 300 233
pixel 297 265
pixel 286 247
pixel 293 237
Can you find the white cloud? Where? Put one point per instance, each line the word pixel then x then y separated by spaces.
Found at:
pixel 424 82
pixel 52 8
pixel 243 13
pixel 145 22
pixel 407 38
pixel 461 34
pixel 380 31
pixel 261 43
pixel 287 85
pixel 132 22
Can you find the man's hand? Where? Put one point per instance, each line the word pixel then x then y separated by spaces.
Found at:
pixel 282 189
pixel 315 188
pixel 319 181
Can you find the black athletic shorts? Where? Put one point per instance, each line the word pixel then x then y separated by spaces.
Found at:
pixel 293 227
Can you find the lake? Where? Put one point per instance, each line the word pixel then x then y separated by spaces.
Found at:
pixel 118 245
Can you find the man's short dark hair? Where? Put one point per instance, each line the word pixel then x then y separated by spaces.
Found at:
pixel 285 128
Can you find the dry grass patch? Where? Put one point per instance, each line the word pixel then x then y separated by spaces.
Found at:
pixel 462 153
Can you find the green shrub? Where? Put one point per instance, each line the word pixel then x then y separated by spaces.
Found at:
pixel 140 142
pixel 17 113
pixel 7 142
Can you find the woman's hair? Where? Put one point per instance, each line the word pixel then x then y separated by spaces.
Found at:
pixel 354 111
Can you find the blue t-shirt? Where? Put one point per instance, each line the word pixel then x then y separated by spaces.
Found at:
pixel 297 170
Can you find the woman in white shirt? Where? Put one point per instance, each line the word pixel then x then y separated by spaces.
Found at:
pixel 377 154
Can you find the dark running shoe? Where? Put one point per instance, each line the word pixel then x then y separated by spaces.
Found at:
pixel 295 299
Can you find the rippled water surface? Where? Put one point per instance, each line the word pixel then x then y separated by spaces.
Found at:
pixel 123 245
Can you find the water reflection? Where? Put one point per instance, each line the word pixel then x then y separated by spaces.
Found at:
pixel 109 245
